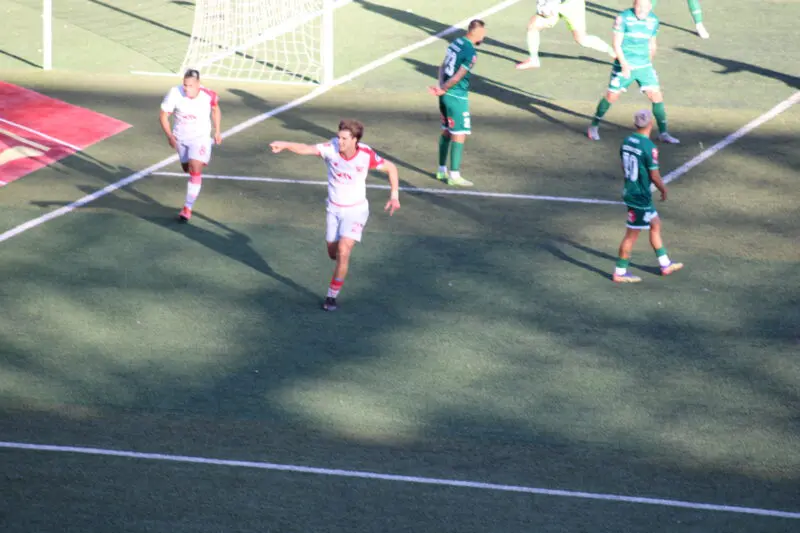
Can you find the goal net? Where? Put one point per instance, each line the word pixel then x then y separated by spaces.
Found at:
pixel 276 41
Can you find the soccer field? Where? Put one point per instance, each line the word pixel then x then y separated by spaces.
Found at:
pixel 483 372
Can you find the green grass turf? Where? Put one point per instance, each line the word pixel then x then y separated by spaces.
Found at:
pixel 478 338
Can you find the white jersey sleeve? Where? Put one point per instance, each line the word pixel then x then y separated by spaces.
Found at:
pixel 171 100
pixel 328 150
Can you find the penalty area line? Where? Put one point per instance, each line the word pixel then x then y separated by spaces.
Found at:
pixel 732 138
pixel 409 190
pixel 369 67
pixel 400 478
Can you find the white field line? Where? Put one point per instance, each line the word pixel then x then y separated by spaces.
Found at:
pixel 38 221
pixel 732 138
pixel 42 135
pixel 399 478
pixel 32 144
pixel 410 190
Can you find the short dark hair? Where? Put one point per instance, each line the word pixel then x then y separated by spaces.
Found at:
pixel 355 127
pixel 475 23
pixel 192 73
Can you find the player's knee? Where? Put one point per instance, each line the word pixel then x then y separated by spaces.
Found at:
pixel 655 96
pixel 612 96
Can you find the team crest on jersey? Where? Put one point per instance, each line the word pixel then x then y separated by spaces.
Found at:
pixel 359 169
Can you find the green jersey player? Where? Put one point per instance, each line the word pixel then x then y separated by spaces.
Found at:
pixel 697 16
pixel 634 42
pixel 453 93
pixel 640 167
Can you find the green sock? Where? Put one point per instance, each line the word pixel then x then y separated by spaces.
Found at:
pixel 444 147
pixel 661 251
pixel 695 10
pixel 602 108
pixel 456 151
pixel 661 116
pixel 623 263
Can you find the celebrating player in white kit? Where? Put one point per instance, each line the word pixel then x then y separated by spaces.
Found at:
pixel 193 107
pixel 348 161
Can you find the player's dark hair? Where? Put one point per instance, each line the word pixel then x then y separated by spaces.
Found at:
pixel 476 23
pixel 192 73
pixel 355 128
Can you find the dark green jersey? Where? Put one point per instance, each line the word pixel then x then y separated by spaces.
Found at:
pixel 636 35
pixel 639 156
pixel 460 53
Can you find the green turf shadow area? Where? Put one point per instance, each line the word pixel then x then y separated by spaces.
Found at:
pixel 509 360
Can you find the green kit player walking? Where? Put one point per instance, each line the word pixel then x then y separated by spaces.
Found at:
pixel 697 17
pixel 640 165
pixel 453 93
pixel 634 42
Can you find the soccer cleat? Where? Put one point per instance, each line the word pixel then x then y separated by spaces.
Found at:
pixel 461 182
pixel 329 304
pixel 627 277
pixel 185 214
pixel 702 31
pixel 441 176
pixel 593 133
pixel 667 138
pixel 670 268
pixel 529 64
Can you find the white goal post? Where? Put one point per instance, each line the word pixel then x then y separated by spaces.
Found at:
pixel 272 41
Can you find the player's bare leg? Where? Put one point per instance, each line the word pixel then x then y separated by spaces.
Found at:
pixel 456 152
pixel 444 150
pixel 657 98
pixel 535 26
pixel 602 108
pixel 340 252
pixel 664 262
pixel 621 274
pixel 195 170
pixel 593 41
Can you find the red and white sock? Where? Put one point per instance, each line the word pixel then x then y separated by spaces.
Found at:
pixel 193 189
pixel 335 287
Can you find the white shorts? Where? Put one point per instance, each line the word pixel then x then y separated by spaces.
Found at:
pixel 197 149
pixel 346 222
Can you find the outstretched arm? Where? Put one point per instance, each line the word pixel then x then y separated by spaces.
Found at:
pixel 297 148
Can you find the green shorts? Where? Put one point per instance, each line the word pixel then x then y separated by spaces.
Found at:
pixel 455 114
pixel 646 77
pixel 640 218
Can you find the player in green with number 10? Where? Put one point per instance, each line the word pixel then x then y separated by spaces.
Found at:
pixel 640 166
pixel 453 93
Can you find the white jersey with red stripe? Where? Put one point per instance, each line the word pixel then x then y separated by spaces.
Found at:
pixel 347 178
pixel 192 115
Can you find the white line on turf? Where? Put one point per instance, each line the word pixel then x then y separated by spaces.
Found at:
pixel 410 190
pixel 732 138
pixel 399 478
pixel 42 135
pixel 13 232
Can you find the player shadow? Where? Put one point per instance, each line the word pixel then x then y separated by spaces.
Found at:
pixel 509 95
pixel 611 13
pixel 731 66
pixel 612 259
pixel 20 59
pixel 430 26
pixel 234 244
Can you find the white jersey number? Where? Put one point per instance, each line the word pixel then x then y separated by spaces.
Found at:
pixel 631 166
pixel 450 62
